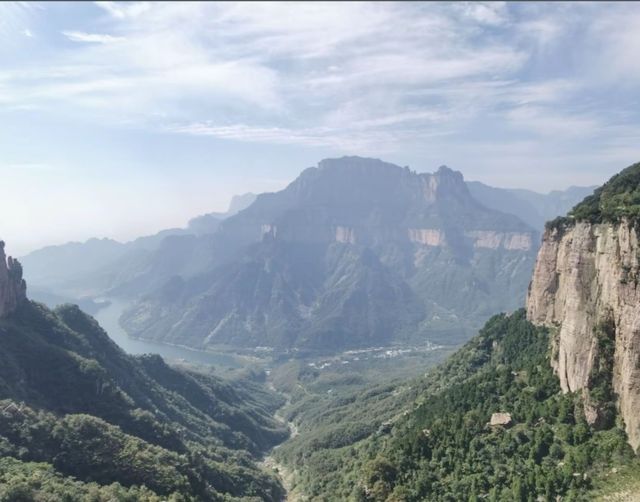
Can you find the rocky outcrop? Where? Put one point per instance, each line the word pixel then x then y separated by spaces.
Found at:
pixel 503 419
pixel 269 230
pixel 515 241
pixel 13 288
pixel 586 285
pixel 427 236
pixel 345 235
pixel 512 241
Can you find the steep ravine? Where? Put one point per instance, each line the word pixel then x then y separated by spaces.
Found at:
pixel 586 285
pixel 271 464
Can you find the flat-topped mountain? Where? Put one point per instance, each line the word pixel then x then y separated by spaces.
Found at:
pixel 355 252
pixel 371 202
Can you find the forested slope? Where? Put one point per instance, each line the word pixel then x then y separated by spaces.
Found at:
pixel 73 405
pixel 437 444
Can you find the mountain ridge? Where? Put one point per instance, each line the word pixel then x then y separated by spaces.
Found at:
pixel 531 207
pixel 395 233
pixel 420 226
pixel 133 428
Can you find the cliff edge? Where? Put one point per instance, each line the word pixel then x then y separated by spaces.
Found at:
pixel 586 285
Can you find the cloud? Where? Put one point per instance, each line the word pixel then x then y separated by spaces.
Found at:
pixel 337 75
pixel 80 36
pixel 545 121
pixel 523 94
pixel 615 41
pixel 27 166
pixel 349 137
pixel 15 24
pixel 243 132
pixel 543 31
pixel 489 13
pixel 123 10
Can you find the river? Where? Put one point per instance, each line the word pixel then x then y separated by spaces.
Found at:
pixel 108 319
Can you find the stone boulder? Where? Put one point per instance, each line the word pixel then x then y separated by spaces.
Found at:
pixel 503 419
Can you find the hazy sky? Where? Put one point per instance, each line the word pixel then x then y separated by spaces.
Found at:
pixel 122 119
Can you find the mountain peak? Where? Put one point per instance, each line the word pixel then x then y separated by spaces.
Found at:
pixel 373 166
pixel 357 164
pixel 13 289
pixel 446 172
pixel 240 202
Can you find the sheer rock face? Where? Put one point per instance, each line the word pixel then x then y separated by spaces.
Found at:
pixel 13 289
pixel 587 275
pixel 512 241
pixel 369 202
pixel 427 236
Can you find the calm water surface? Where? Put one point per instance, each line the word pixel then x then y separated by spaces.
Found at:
pixel 108 319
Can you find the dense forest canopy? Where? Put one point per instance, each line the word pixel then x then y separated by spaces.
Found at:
pixel 617 199
pixel 437 444
pixel 81 420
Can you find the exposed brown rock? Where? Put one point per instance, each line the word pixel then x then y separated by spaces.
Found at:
pixel 586 275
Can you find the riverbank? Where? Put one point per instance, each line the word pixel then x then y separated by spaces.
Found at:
pixel 109 319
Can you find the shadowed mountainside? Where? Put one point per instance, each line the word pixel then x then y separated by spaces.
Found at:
pixel 356 252
pixel 73 404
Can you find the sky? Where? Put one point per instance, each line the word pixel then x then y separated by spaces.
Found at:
pixel 120 119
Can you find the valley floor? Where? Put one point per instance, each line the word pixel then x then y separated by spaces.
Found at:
pixel 271 464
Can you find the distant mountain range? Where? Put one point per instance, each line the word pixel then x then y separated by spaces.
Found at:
pixel 356 252
pixel 78 271
pixel 531 207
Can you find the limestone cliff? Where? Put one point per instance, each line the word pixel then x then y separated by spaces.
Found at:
pixel 13 289
pixel 513 241
pixel 586 276
pixel 427 236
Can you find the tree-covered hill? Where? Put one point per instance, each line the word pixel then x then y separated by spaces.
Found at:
pixel 81 420
pixel 435 442
pixel 618 198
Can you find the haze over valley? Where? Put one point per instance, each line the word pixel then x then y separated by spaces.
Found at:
pixel 319 252
pixel 355 253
